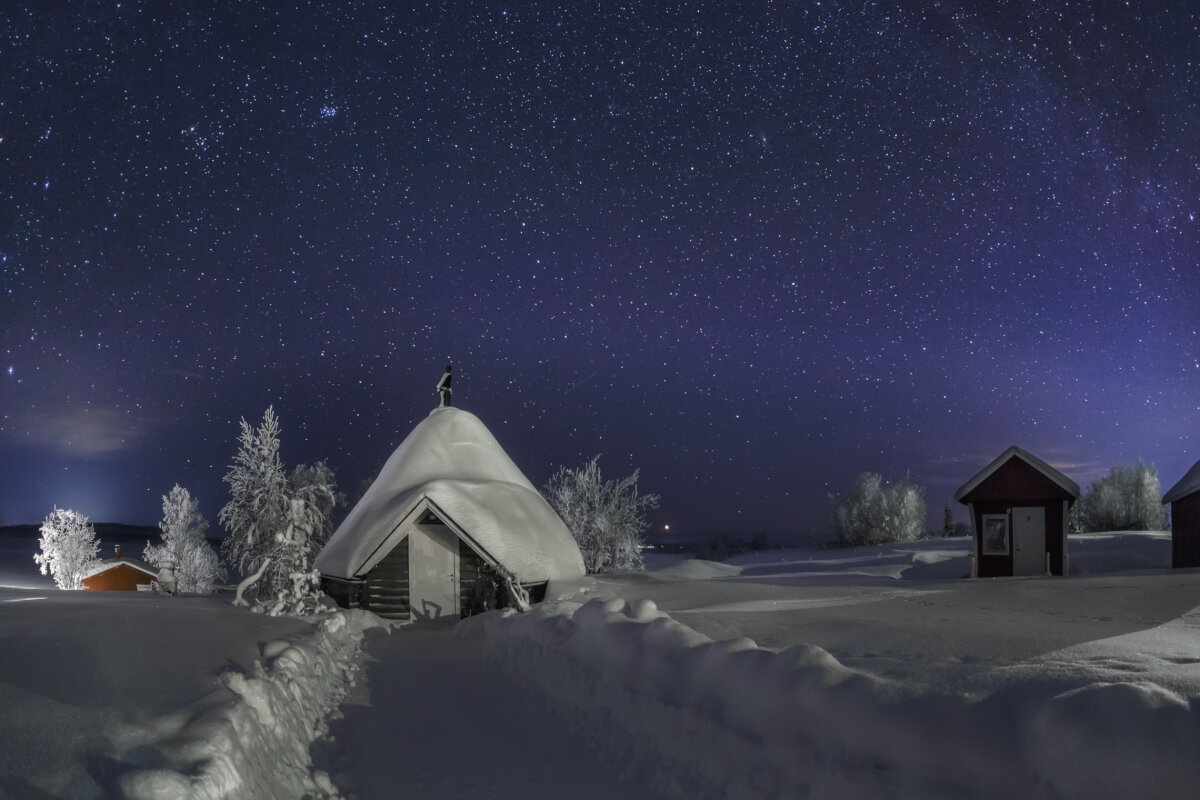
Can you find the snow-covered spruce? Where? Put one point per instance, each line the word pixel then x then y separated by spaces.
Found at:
pixel 704 719
pixel 251 737
pixel 277 518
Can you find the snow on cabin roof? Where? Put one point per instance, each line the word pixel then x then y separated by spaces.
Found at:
pixel 452 461
pixel 1050 472
pixel 1188 484
pixel 110 563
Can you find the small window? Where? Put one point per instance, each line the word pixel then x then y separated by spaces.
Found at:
pixel 995 534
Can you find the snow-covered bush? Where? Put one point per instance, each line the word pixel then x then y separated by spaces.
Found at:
pixel 1127 499
pixel 607 518
pixel 197 567
pixel 286 518
pixel 68 548
pixel 875 512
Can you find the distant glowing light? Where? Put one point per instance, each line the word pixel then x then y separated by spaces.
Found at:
pixel 10 369
pixel 329 112
pixel 666 527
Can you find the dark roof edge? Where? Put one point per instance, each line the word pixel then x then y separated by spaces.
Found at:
pixel 1188 484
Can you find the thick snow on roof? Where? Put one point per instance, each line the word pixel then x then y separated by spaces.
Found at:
pixel 454 462
pixel 1188 484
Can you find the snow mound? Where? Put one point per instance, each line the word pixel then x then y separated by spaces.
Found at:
pixel 251 737
pixel 1098 553
pixel 698 569
pixel 932 560
pixel 1151 731
pixel 702 719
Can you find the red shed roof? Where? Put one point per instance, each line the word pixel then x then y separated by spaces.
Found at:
pixel 1188 484
pixel 1062 481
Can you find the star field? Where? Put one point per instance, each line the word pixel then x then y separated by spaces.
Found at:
pixel 751 248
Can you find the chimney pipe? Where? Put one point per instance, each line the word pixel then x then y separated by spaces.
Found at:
pixel 118 551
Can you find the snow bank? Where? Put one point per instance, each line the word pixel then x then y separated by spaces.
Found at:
pixel 1099 553
pixel 930 559
pixel 697 569
pixel 704 719
pixel 251 737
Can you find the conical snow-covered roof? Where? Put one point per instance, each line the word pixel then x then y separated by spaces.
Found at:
pixel 452 460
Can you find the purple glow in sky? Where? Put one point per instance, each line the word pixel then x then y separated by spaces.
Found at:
pixel 752 248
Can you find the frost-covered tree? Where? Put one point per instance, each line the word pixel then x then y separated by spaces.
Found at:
pixel 875 512
pixel 607 518
pixel 1075 518
pixel 1127 499
pixel 317 484
pixel 197 567
pixel 276 516
pixel 68 548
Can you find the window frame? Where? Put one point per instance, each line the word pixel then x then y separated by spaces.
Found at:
pixel 1002 519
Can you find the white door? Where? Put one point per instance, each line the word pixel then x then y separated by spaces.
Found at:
pixel 1029 541
pixel 433 572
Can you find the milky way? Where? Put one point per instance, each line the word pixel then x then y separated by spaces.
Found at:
pixel 751 248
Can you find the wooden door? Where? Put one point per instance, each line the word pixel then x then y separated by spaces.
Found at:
pixel 1029 541
pixel 433 572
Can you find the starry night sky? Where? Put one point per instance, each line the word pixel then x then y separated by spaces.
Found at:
pixel 753 248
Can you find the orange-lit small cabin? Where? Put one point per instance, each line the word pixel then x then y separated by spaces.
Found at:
pixel 121 575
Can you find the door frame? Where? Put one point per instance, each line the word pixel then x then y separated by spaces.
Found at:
pixel 1031 533
pixel 433 573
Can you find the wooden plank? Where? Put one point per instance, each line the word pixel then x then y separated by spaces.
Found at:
pixel 387 584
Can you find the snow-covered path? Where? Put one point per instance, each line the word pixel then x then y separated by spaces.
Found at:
pixel 431 720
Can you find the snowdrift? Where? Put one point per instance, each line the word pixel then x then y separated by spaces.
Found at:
pixel 251 737
pixel 704 719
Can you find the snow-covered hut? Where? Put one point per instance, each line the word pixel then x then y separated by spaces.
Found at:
pixel 1019 506
pixel 448 504
pixel 1184 499
pixel 121 574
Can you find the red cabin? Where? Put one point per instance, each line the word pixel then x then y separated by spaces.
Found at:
pixel 1184 499
pixel 121 574
pixel 1019 506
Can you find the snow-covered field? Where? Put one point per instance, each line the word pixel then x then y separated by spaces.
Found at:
pixel 875 672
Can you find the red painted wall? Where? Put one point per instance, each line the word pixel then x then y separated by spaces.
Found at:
pixel 1018 484
pixel 1185 531
pixel 121 577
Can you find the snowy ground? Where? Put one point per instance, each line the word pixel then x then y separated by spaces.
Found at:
pixel 876 672
pixel 81 671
